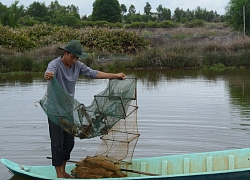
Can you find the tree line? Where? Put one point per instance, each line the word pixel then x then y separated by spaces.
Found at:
pixel 103 10
pixel 112 11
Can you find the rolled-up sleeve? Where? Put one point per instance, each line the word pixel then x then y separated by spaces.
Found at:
pixel 87 71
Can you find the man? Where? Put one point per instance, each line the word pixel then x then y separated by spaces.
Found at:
pixel 66 70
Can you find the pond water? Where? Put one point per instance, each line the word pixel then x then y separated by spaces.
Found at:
pixel 180 111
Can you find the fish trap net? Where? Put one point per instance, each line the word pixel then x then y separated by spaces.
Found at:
pixel 112 115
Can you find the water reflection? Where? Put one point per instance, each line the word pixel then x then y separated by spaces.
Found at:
pixel 153 77
pixel 239 90
pixel 237 81
pixel 21 78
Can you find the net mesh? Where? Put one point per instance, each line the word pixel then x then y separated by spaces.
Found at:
pixel 97 167
pixel 111 115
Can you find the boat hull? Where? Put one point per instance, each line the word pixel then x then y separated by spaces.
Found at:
pixel 218 165
pixel 242 175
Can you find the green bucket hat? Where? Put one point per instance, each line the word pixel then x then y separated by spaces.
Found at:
pixel 75 47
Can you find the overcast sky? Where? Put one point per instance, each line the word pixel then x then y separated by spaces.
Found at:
pixel 85 6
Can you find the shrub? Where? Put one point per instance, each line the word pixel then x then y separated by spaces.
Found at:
pixel 104 39
pixel 195 23
pixel 167 24
pixel 134 25
pixel 152 24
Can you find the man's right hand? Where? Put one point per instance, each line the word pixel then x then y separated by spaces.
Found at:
pixel 49 75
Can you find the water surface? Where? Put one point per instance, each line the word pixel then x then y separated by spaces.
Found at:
pixel 180 111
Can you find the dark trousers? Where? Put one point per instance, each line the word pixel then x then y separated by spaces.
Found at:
pixel 62 144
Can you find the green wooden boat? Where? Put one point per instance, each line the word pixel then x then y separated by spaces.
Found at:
pixel 218 165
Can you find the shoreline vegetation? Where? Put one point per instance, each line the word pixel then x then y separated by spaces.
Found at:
pixel 214 46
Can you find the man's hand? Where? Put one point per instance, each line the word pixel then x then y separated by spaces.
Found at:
pixel 49 75
pixel 120 76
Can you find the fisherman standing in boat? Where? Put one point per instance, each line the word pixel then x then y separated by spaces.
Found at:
pixel 66 69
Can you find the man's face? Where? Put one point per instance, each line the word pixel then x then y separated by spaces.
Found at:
pixel 70 58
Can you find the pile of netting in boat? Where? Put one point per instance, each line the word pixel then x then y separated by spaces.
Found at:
pixel 97 167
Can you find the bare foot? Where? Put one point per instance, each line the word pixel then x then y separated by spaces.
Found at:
pixel 60 176
pixel 66 175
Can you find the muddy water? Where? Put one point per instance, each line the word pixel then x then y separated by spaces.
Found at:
pixel 179 112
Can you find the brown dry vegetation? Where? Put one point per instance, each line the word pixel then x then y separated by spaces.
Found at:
pixel 221 36
pixel 213 45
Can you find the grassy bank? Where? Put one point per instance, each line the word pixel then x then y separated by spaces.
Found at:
pixel 213 46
